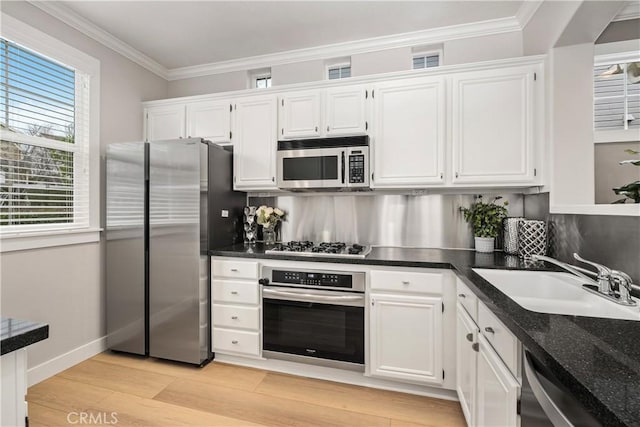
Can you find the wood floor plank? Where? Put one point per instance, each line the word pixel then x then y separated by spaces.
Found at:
pixel 43 416
pixel 150 364
pixel 230 376
pixel 66 395
pixel 118 378
pixel 137 411
pixel 399 406
pixel 260 408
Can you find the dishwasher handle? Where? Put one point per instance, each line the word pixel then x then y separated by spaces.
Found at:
pixel 553 412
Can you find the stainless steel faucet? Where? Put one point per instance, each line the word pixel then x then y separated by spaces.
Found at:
pixel 605 278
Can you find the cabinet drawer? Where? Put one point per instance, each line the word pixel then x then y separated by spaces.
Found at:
pixel 234 269
pixel 468 300
pixel 424 283
pixel 232 316
pixel 227 340
pixel 231 291
pixel 500 338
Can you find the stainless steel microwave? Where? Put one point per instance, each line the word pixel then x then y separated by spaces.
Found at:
pixel 329 163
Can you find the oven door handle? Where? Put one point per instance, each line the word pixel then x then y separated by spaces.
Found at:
pixel 309 297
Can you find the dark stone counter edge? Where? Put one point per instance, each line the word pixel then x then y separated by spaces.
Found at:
pixel 25 339
pixel 494 300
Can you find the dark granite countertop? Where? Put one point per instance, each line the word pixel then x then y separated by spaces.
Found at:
pixel 17 334
pixel 597 360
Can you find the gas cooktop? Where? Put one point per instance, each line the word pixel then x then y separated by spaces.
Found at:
pixel 324 249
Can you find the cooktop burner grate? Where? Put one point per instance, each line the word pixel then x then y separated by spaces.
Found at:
pixel 308 248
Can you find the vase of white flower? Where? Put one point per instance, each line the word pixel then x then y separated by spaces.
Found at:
pixel 269 218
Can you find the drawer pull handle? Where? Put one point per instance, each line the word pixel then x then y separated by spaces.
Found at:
pixel 234 317
pixel 470 337
pixel 490 330
pixel 235 270
pixel 234 292
pixel 405 282
pixel 234 342
pixel 475 346
pixel 462 295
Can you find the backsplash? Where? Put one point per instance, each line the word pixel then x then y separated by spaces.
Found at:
pixel 610 240
pixel 425 221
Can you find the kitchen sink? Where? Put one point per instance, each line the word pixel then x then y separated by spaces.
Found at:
pixel 555 293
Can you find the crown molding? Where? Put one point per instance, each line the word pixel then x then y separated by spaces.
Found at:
pixel 526 11
pixel 630 11
pixel 90 29
pixel 416 38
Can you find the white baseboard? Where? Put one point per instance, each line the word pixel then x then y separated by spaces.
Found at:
pixel 64 361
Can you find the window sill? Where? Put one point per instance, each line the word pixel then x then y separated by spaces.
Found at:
pixel 11 242
pixel 604 136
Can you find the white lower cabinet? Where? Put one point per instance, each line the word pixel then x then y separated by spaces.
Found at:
pixel 497 390
pixel 466 363
pixel 405 330
pixel 13 387
pixel 487 386
pixel 235 307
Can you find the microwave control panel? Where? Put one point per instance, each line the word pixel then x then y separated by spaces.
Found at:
pixel 356 169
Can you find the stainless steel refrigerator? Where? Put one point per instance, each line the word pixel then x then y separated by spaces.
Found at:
pixel 167 203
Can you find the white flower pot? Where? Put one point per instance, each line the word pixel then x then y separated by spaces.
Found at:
pixel 484 244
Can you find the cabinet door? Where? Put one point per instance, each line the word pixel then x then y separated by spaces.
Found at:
pixel 210 120
pixel 300 115
pixel 166 122
pixel 255 138
pixel 409 123
pixel 497 390
pixel 345 111
pixel 406 338
pixel 466 360
pixel 493 126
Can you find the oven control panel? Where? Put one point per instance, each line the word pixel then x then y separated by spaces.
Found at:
pixel 305 278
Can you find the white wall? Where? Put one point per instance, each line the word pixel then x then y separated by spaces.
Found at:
pixel 486 48
pixel 572 125
pixel 65 286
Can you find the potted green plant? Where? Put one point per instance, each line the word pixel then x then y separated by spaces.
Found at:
pixel 485 220
pixel 630 191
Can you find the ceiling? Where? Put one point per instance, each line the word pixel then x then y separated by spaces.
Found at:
pixel 186 33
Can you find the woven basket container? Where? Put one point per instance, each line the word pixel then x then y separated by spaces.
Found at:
pixel 532 238
pixel 510 235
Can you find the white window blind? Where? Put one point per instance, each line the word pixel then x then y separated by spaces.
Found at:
pixel 339 72
pixel 263 82
pixel 425 61
pixel 44 144
pixel 617 96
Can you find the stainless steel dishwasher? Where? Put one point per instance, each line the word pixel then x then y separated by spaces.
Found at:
pixel 545 402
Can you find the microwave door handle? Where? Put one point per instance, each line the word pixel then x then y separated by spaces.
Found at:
pixel 342 167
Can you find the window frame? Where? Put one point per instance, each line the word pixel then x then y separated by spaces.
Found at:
pixel 425 53
pixel 40 236
pixel 614 135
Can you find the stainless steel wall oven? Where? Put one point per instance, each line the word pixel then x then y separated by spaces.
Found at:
pixel 314 316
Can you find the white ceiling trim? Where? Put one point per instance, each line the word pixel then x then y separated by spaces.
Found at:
pixel 90 29
pixel 526 11
pixel 416 38
pixel 630 11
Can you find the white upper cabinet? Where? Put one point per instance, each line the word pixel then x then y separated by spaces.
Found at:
pixel 345 111
pixel 300 115
pixel 210 120
pixel 409 123
pixel 494 125
pixel 255 137
pixel 165 122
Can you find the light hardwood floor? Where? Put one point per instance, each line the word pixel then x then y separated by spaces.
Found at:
pixel 149 392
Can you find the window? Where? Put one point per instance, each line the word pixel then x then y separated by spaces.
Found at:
pixel 426 61
pixel 48 138
pixel 616 95
pixel 339 71
pixel 263 82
